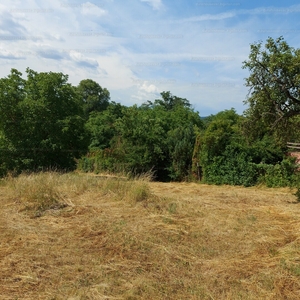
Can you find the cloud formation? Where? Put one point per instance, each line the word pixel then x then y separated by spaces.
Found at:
pixel 156 4
pixel 139 48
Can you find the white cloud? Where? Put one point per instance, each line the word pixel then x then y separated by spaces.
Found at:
pixel 156 4
pixel 10 54
pixel 89 8
pixel 207 17
pixel 83 61
pixel 178 47
pixel 149 88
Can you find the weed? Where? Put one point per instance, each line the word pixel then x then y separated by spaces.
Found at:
pixel 297 194
pixel 139 191
pixel 172 208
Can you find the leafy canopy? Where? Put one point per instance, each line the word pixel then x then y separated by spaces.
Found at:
pixel 274 84
pixel 41 118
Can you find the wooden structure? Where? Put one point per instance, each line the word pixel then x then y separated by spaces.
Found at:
pixel 293 145
pixel 295 151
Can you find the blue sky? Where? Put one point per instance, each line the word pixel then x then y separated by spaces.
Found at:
pixel 139 48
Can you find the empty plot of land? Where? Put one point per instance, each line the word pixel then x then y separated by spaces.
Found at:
pixel 118 239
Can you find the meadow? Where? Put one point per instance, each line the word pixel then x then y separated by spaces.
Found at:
pixel 77 236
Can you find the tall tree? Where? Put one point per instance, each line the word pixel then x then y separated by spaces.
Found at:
pixel 93 96
pixel 274 86
pixel 169 101
pixel 42 119
pixel 159 136
pixel 101 126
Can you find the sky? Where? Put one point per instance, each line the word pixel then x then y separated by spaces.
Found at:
pixel 140 48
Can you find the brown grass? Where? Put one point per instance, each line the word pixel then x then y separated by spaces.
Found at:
pixel 113 238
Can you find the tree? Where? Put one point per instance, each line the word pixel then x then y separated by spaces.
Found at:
pixel 274 82
pixel 181 143
pixel 42 121
pixel 169 101
pixel 227 158
pixel 141 139
pixel 93 96
pixel 101 125
pixel 159 136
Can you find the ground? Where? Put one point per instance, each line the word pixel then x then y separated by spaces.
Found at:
pixel 115 239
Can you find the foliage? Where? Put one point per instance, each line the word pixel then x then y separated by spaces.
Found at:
pixel 94 98
pixel 234 167
pixel 98 161
pixel 155 136
pixel 169 101
pixel 41 119
pixel 227 156
pixel 101 126
pixel 46 123
pixel 142 143
pixel 181 145
pixel 274 83
pixel 281 174
pixel 159 137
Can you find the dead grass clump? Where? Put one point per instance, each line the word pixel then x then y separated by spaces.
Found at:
pixel 74 184
pixel 138 191
pixel 119 188
pixel 37 192
pixel 145 177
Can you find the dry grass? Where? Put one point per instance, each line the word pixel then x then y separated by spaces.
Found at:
pixel 113 238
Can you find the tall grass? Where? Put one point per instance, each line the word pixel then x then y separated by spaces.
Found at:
pixel 39 192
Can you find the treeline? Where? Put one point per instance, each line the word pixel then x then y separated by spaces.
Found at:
pixel 169 138
pixel 158 136
pixel 47 123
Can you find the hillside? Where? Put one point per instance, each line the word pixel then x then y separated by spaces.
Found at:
pixel 108 238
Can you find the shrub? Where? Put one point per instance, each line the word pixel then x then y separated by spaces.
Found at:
pixel 281 174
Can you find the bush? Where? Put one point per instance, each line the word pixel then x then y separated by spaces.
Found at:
pixel 101 161
pixel 279 175
pixel 234 167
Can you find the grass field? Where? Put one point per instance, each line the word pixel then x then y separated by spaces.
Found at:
pixel 75 236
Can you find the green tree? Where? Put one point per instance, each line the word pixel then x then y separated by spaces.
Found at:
pixel 93 96
pixel 218 134
pixel 169 101
pixel 160 136
pixel 227 156
pixel 42 119
pixel 101 125
pixel 181 143
pixel 274 88
pixel 155 136
pixel 142 139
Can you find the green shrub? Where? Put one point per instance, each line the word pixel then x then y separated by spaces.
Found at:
pixel 101 161
pixel 281 174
